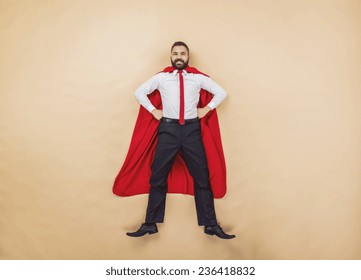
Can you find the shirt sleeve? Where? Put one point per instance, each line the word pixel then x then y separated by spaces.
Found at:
pixel 219 94
pixel 145 89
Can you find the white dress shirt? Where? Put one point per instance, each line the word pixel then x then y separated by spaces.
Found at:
pixel 168 86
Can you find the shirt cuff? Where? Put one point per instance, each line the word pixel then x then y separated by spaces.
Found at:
pixel 150 108
pixel 211 105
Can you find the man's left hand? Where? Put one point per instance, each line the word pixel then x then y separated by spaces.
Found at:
pixel 203 111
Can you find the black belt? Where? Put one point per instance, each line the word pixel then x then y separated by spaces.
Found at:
pixel 168 120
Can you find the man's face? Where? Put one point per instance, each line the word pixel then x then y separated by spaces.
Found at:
pixel 179 57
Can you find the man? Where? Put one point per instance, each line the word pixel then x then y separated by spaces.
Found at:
pixel 180 131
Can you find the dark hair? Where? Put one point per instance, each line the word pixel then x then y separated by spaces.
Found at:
pixel 179 43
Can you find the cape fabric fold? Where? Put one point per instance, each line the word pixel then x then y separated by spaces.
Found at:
pixel 133 178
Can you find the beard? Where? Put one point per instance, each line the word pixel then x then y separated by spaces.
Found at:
pixel 179 66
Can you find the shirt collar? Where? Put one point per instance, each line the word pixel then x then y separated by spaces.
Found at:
pixel 175 72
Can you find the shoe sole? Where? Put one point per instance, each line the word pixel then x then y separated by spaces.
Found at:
pixel 149 232
pixel 213 233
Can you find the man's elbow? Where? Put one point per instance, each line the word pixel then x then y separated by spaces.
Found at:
pixel 138 95
pixel 224 94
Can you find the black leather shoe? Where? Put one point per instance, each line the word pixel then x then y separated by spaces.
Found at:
pixel 144 229
pixel 217 230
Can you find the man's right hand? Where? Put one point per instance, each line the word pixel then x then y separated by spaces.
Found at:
pixel 158 114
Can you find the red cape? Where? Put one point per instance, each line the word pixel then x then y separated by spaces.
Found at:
pixel 134 176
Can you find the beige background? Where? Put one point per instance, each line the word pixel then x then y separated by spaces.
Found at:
pixel 291 126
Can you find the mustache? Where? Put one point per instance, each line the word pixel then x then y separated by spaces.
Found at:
pixel 178 60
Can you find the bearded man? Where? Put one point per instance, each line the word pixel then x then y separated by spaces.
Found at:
pixel 178 134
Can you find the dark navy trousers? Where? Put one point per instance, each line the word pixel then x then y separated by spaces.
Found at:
pixel 172 138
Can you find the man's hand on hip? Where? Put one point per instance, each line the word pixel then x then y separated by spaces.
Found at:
pixel 203 111
pixel 158 114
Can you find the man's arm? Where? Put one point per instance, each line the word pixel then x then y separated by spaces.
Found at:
pixel 147 88
pixel 219 94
